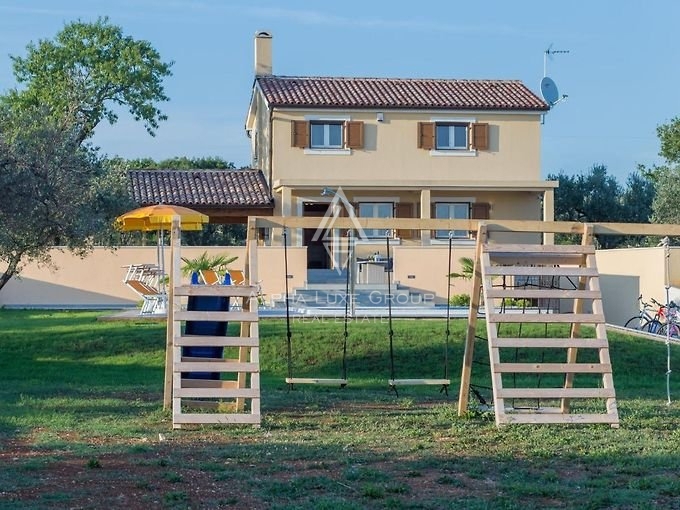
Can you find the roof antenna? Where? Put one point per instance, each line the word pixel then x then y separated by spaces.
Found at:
pixel 548 87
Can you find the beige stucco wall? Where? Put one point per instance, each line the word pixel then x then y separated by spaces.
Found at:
pixel 391 153
pixel 96 281
pixel 622 268
pixel 426 269
pixel 519 205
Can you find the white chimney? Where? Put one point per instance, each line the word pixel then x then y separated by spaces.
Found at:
pixel 263 54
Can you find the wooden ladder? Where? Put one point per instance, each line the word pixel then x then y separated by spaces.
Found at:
pixel 235 398
pixel 497 264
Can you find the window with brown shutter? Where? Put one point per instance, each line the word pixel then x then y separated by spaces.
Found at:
pixel 451 210
pixel 480 211
pixel 299 130
pixel 404 211
pixel 354 134
pixel 480 136
pixel 426 135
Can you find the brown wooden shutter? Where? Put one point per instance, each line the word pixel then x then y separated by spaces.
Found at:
pixel 426 135
pixel 299 130
pixel 404 211
pixel 355 134
pixel 480 136
pixel 480 211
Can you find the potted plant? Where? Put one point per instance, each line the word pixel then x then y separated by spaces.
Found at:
pixel 205 262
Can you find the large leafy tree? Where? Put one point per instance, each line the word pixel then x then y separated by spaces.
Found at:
pixel 596 196
pixel 58 192
pixel 86 73
pixel 181 163
pixel 666 178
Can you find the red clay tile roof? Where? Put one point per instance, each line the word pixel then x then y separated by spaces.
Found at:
pixel 386 93
pixel 209 188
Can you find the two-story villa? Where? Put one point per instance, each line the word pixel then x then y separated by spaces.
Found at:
pixel 397 147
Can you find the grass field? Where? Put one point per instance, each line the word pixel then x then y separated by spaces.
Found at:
pixel 82 426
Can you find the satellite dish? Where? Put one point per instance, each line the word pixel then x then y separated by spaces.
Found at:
pixel 549 91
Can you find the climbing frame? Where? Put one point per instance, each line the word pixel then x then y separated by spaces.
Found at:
pixel 234 398
pixel 524 370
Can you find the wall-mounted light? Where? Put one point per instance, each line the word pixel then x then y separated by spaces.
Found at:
pixel 380 117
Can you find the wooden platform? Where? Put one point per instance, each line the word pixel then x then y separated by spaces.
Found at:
pixel 500 270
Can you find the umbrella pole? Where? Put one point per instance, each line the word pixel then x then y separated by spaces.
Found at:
pixel 162 285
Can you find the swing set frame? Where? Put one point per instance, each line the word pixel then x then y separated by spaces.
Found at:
pixel 255 223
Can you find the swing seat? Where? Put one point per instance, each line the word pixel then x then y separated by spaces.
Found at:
pixel 419 382
pixel 315 380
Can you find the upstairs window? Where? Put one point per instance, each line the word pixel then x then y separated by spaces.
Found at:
pixel 327 134
pixel 453 136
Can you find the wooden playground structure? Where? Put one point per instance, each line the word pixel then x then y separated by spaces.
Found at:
pixel 582 382
pixel 233 395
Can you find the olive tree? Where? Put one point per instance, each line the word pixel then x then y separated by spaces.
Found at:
pixel 57 192
pixel 86 72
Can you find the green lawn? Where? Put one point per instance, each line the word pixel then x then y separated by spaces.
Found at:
pixel 82 426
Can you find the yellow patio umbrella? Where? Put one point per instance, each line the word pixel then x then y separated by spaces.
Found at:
pixel 159 217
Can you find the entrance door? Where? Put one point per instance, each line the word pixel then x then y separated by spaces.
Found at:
pixel 317 256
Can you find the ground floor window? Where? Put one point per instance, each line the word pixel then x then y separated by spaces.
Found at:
pixel 376 210
pixel 451 210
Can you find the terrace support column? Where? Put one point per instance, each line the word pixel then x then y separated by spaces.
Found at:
pixel 425 208
pixel 286 211
pixel 549 214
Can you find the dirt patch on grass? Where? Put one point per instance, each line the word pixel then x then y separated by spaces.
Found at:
pixel 176 475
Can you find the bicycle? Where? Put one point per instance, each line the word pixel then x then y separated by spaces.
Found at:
pixel 670 327
pixel 645 321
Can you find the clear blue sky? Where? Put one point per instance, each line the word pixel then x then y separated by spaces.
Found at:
pixel 622 74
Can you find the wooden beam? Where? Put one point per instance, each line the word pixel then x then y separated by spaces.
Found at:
pixel 508 418
pixel 548 293
pixel 473 311
pixel 206 418
pixel 549 343
pixel 563 227
pixel 575 332
pixel 238 316
pixel 216 341
pixel 546 318
pixel 546 393
pixel 216 290
pixel 552 368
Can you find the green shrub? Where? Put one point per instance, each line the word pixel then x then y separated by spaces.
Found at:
pixel 460 300
pixel 517 303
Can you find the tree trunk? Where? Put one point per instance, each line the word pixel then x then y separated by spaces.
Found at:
pixel 10 271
